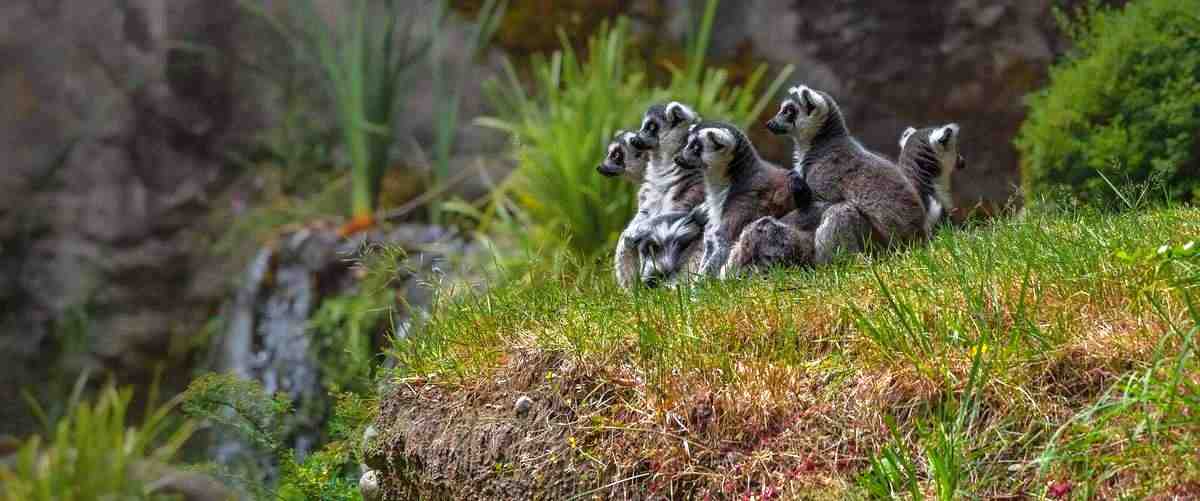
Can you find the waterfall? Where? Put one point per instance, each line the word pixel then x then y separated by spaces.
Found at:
pixel 267 336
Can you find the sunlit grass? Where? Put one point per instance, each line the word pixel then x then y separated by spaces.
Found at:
pixel 802 368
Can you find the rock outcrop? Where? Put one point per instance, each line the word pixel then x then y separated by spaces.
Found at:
pixel 118 118
pixel 121 121
pixel 896 64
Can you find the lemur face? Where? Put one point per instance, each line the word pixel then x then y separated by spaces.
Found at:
pixel 622 159
pixel 665 127
pixel 941 141
pixel 662 246
pixel 708 148
pixel 801 114
pixel 945 143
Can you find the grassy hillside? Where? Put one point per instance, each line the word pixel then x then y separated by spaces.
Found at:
pixel 1050 355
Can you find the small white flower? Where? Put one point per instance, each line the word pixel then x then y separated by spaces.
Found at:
pixel 1164 249
pixel 1188 246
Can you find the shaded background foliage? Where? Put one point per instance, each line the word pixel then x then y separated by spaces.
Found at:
pixel 126 125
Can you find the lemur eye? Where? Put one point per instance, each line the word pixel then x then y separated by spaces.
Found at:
pixel 615 155
pixel 651 127
pixel 789 111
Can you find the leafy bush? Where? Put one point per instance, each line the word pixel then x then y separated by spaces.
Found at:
pixel 243 406
pixel 332 472
pixel 343 328
pixel 578 101
pixel 1125 103
pixel 93 453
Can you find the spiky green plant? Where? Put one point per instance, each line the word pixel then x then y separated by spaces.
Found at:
pixel 560 129
pixel 366 61
pixel 93 452
pixel 447 95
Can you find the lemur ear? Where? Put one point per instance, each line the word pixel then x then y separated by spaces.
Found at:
pixel 904 136
pixel 943 136
pixel 808 100
pixel 712 138
pixel 677 112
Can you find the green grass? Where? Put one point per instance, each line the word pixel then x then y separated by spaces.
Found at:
pixel 1022 356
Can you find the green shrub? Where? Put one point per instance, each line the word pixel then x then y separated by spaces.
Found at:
pixel 1125 103
pixel 241 405
pixel 93 453
pixel 343 328
pixel 245 408
pixel 560 130
pixel 332 472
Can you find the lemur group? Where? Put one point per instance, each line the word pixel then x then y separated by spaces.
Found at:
pixel 708 205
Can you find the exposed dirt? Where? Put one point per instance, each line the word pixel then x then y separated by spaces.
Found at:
pixel 586 434
pixel 438 443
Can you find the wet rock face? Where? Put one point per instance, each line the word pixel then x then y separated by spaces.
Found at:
pixel 119 120
pixel 920 63
pixel 114 138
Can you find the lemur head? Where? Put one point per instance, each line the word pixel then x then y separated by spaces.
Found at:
pixel 933 149
pixel 712 146
pixel 622 159
pixel 665 127
pixel 806 113
pixel 663 242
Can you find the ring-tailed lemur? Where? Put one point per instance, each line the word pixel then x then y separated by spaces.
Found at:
pixel 622 159
pixel 664 132
pixel 870 197
pixel 665 187
pixel 669 246
pixel 930 156
pixel 740 188
pixel 787 240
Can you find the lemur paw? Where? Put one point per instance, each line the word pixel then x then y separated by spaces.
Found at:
pixel 801 193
